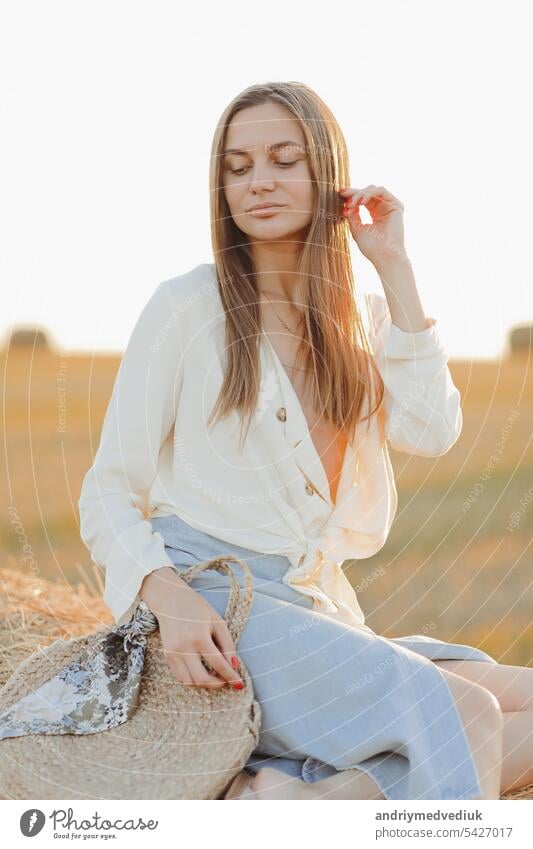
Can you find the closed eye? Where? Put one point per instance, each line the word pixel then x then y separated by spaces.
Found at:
pixel 240 171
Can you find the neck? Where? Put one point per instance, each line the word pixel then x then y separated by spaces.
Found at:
pixel 276 273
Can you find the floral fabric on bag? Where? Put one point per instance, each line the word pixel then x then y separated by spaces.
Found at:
pixel 98 691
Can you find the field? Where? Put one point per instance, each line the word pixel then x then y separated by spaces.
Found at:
pixel 456 566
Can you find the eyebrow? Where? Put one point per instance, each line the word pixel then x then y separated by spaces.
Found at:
pixel 275 146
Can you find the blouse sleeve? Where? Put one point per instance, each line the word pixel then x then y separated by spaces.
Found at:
pixel 422 406
pixel 139 416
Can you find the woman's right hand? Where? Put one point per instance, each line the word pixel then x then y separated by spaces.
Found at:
pixel 190 629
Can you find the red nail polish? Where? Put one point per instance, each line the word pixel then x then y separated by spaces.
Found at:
pixel 234 662
pixel 238 685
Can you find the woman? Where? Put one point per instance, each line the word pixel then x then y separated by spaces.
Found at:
pixel 251 414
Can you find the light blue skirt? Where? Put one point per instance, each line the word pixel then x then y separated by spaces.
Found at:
pixel 335 697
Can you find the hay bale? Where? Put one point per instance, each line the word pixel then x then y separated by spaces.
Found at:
pixel 29 337
pixel 34 613
pixel 521 339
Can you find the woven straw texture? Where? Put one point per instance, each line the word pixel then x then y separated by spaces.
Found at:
pixel 35 612
pixel 181 743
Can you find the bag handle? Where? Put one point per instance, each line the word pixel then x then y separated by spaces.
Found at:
pixel 240 600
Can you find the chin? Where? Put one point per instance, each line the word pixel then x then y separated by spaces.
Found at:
pixel 276 229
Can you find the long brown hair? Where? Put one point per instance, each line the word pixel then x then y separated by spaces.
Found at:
pixel 337 349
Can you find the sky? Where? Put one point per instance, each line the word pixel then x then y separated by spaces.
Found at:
pixel 109 110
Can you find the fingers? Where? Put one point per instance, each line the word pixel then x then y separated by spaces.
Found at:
pixel 208 643
pixel 358 198
pixel 179 669
pixel 211 652
pixel 369 195
pixel 353 196
pixel 199 674
pixel 223 639
pixel 189 670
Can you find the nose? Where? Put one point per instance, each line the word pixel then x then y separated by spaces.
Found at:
pixel 261 178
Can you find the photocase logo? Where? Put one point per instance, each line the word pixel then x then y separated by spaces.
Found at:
pixel 32 822
pixel 64 822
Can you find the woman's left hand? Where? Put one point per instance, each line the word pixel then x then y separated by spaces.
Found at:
pixel 381 241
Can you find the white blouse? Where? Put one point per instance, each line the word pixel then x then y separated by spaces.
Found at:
pixel 156 456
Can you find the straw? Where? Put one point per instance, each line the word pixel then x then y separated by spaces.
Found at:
pixel 36 612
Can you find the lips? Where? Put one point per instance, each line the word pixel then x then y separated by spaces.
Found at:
pixel 265 206
pixel 265 211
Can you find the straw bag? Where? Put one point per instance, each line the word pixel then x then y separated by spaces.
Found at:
pixel 158 738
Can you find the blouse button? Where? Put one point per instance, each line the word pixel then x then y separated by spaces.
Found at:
pixel 281 414
pixel 309 489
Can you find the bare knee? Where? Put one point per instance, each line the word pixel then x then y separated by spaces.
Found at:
pixel 484 729
pixel 483 722
pixel 485 706
pixel 479 708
